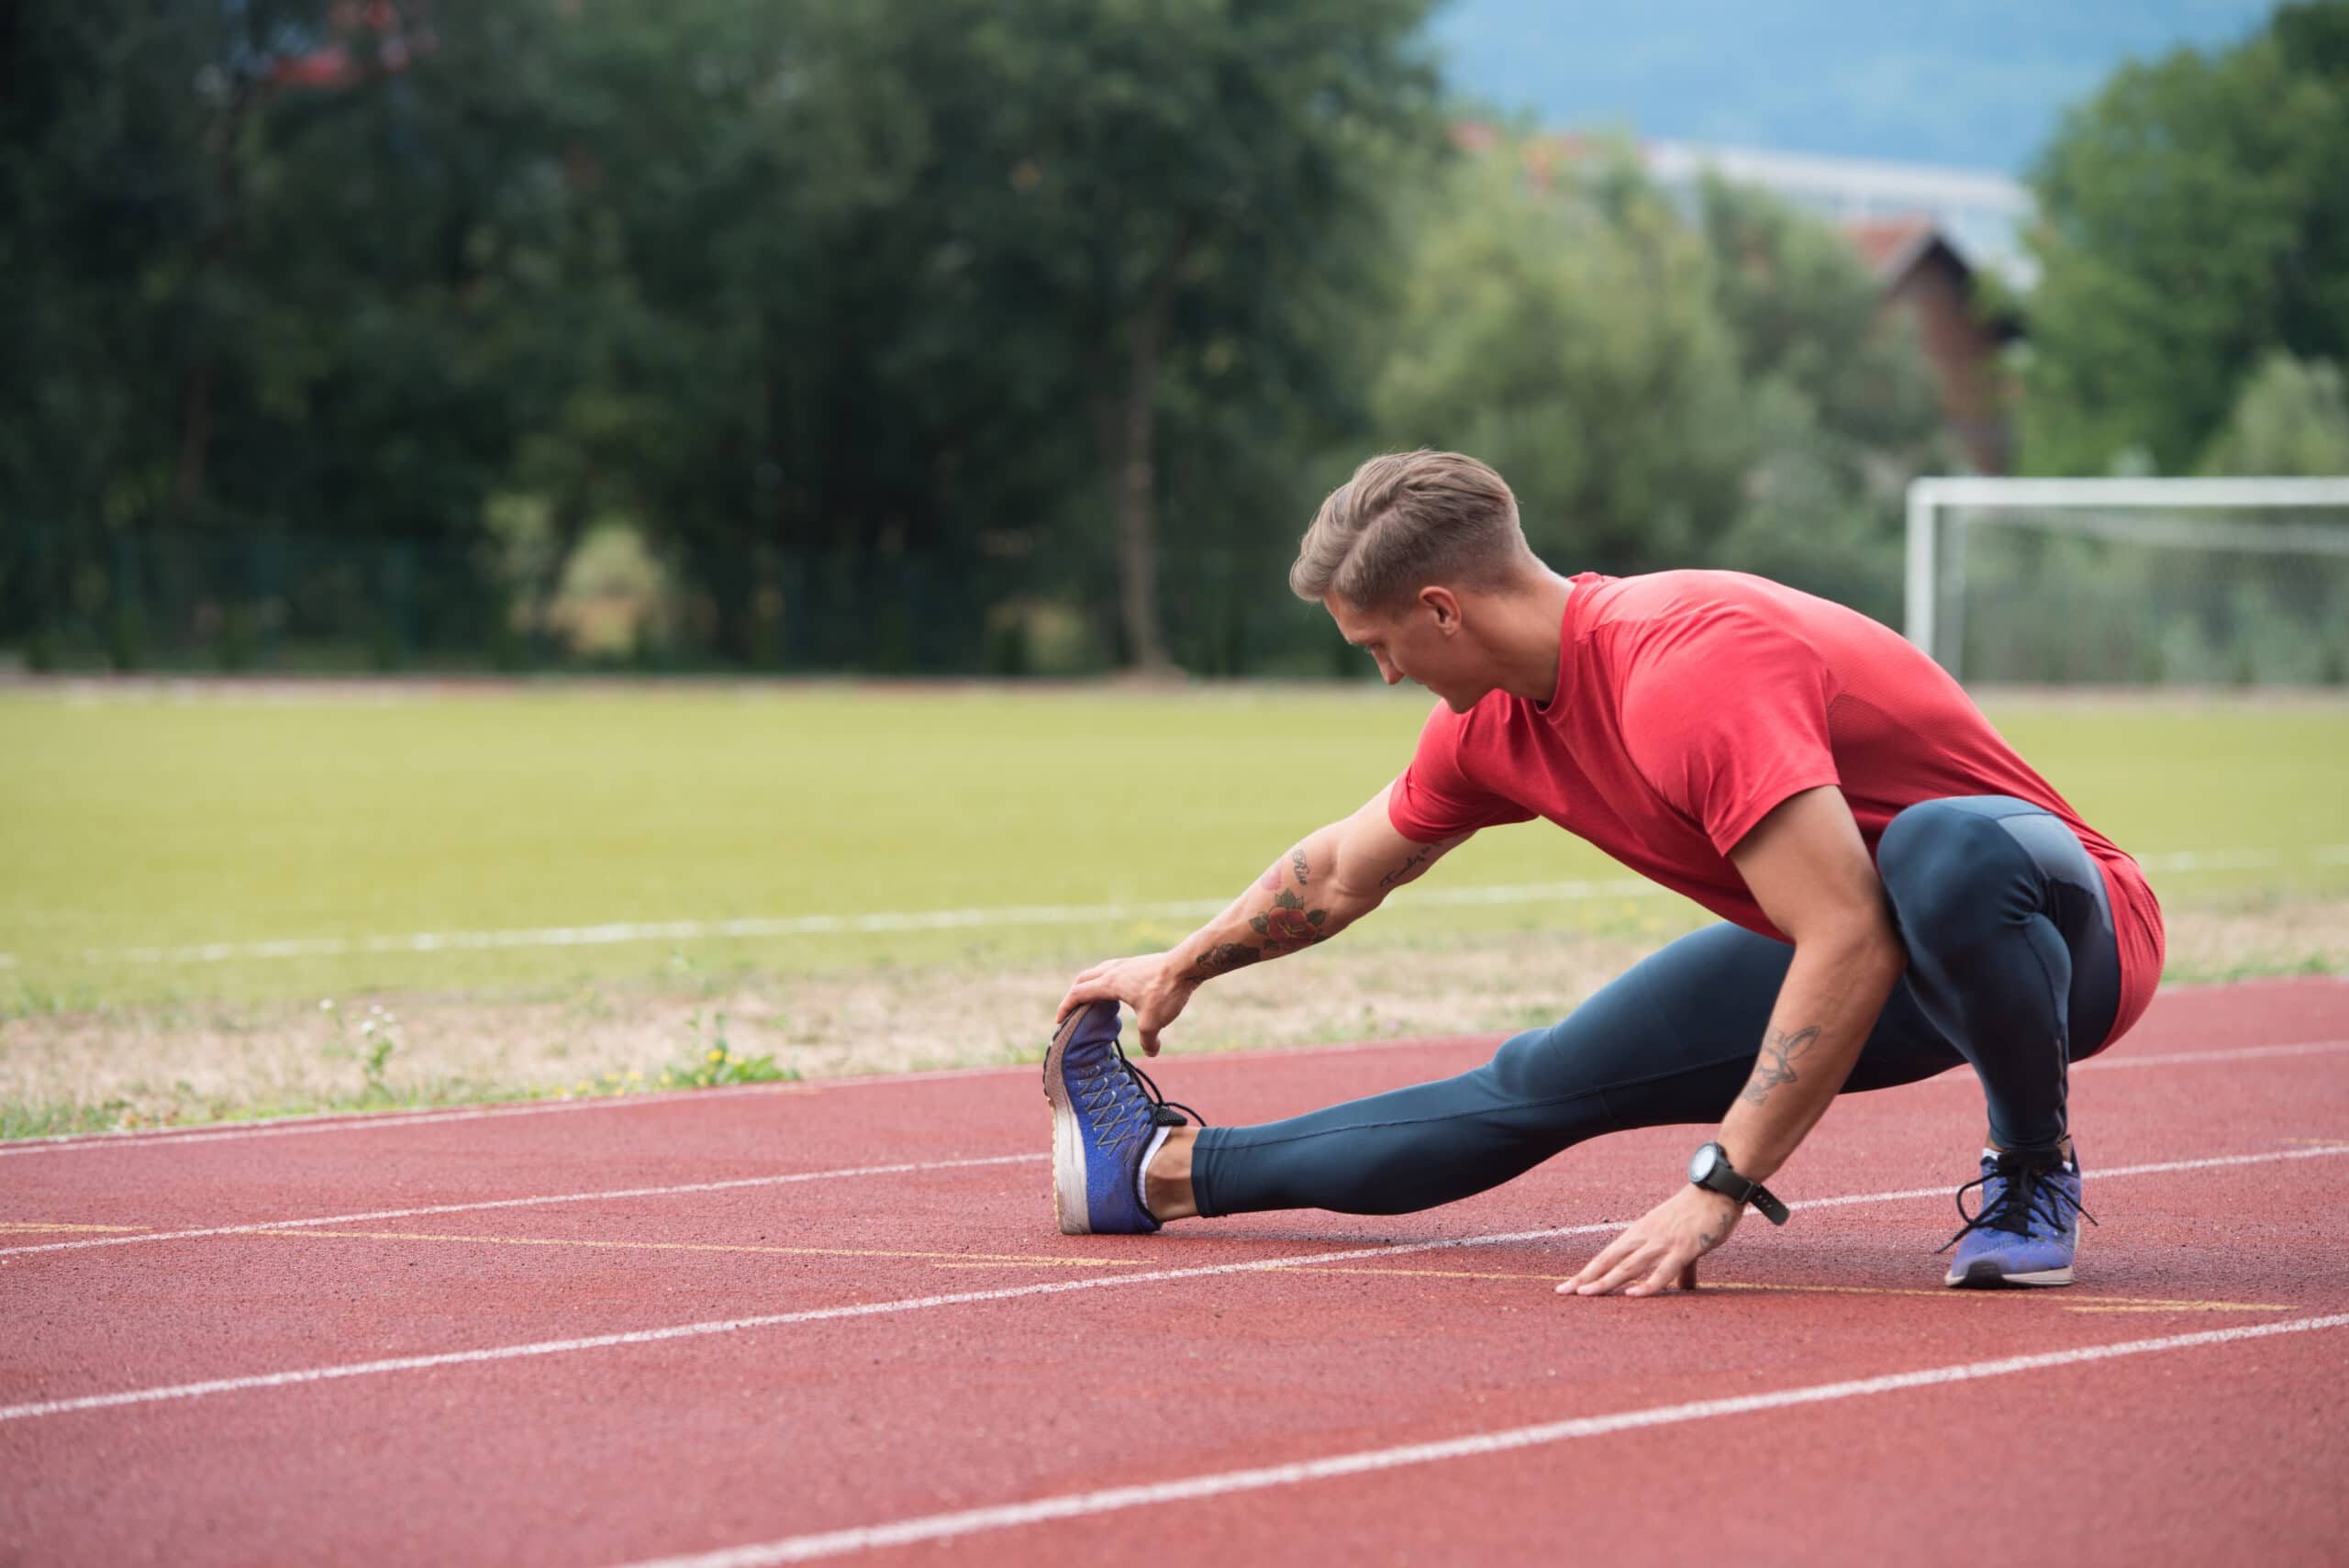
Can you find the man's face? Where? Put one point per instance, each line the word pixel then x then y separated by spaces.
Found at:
pixel 1419 641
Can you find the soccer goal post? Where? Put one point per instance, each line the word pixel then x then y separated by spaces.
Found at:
pixel 2131 582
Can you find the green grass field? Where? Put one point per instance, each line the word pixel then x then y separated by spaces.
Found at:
pixel 131 822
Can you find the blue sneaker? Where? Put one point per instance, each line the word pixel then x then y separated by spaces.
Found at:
pixel 2028 1227
pixel 1105 1118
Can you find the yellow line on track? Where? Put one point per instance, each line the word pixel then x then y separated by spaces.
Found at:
pixel 23 1227
pixel 2067 1301
pixel 947 1259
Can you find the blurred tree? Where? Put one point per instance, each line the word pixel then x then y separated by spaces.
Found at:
pixel 1560 325
pixel 1839 401
pixel 1145 192
pixel 2194 217
pixel 741 178
pixel 280 262
pixel 117 134
pixel 1804 312
pixel 1661 394
pixel 2291 419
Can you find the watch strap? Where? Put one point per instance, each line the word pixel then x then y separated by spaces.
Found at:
pixel 1724 1179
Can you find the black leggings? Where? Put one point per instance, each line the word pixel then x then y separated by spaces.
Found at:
pixel 2013 968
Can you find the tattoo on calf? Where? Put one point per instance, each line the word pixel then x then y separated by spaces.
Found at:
pixel 1780 1051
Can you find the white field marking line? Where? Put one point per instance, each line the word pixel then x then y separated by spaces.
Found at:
pixel 733 1184
pixel 739 1325
pixel 332 1121
pixel 623 931
pixel 810 925
pixel 2104 1063
pixel 370 1121
pixel 2211 860
pixel 265 1226
pixel 1195 1488
pixel 1007 1292
pixel 292 1127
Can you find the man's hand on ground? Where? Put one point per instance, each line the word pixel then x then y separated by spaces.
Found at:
pixel 1660 1248
pixel 1148 984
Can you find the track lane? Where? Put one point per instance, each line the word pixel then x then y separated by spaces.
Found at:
pixel 646 1450
pixel 477 1281
pixel 2086 1465
pixel 667 1446
pixel 1278 1370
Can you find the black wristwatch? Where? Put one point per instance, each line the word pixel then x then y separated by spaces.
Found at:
pixel 1710 1170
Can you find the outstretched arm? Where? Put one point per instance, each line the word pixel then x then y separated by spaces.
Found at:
pixel 1317 889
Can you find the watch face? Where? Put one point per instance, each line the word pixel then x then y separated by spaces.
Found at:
pixel 1701 1164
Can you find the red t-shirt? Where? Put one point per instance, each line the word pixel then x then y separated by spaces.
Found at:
pixel 1690 702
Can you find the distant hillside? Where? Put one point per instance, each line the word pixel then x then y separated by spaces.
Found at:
pixel 1975 83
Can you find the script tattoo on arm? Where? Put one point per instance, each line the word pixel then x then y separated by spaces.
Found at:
pixel 1419 858
pixel 1780 1051
pixel 1296 863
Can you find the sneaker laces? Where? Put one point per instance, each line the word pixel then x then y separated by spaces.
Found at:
pixel 1106 1086
pixel 2028 1197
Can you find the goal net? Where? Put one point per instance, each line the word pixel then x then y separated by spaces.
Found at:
pixel 2131 582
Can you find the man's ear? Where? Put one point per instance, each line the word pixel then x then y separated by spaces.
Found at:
pixel 1444 605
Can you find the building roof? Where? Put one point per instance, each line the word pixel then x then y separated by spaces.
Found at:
pixel 1892 245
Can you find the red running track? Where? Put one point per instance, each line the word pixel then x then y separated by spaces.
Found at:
pixel 835 1322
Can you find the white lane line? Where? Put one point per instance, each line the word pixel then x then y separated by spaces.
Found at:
pixel 1007 1293
pixel 296 1127
pixel 615 1193
pixel 2107 1063
pixel 369 1121
pixel 2099 1174
pixel 1011 1516
pixel 372 1121
pixel 622 931
pixel 739 1325
pixel 2210 860
pixel 733 1184
pixel 617 932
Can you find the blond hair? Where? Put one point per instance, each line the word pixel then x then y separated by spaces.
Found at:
pixel 1406 520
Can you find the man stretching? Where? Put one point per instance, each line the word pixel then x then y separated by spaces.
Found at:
pixel 1901 894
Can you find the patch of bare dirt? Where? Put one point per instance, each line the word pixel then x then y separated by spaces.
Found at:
pixel 176 1064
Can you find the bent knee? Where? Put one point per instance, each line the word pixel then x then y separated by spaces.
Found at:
pixel 1950 874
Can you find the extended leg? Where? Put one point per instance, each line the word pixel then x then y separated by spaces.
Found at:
pixel 1671 1040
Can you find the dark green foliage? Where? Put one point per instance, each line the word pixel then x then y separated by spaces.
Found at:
pixel 1659 391
pixel 2196 219
pixel 897 335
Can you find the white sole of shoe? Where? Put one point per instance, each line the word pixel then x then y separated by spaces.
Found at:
pixel 1069 1209
pixel 1991 1280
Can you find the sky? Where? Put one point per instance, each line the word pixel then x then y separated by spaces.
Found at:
pixel 1969 84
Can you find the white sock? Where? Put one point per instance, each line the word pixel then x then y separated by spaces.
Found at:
pixel 1141 1172
pixel 2068 1163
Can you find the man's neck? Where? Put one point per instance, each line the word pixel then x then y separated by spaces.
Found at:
pixel 1525 643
